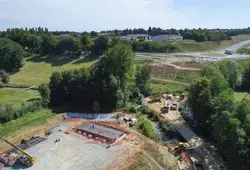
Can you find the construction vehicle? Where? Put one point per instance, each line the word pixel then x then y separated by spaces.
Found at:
pixel 174 106
pixel 156 98
pixel 22 156
pixel 165 109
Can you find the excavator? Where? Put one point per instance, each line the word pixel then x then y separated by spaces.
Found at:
pixel 22 156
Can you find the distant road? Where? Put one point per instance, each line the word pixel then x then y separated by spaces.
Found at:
pixel 237 46
pixel 200 57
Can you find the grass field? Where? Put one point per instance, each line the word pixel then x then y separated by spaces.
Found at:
pixel 212 45
pixel 240 38
pixel 16 97
pixel 27 125
pixel 37 70
pixel 191 45
pixel 240 95
pixel 168 87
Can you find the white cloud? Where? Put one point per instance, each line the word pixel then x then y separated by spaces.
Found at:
pixel 80 15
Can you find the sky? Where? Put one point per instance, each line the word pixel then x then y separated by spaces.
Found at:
pixel 88 15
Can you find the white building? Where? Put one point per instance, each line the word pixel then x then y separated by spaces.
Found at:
pixel 172 37
pixel 137 37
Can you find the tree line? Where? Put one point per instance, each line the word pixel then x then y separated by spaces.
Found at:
pixel 216 113
pixel 194 34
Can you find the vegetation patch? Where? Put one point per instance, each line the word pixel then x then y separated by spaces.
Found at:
pixel 240 95
pixel 30 119
pixel 15 97
pixel 170 73
pixel 168 88
pixel 244 50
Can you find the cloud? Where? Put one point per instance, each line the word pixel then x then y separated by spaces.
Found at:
pixel 81 15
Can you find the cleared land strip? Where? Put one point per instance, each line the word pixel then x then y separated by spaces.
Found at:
pixel 152 160
pixel 170 81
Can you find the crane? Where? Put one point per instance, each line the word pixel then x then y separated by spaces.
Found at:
pixel 24 157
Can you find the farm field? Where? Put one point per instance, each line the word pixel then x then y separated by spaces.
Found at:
pixel 37 70
pixel 15 97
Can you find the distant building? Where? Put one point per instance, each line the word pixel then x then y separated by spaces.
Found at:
pixel 162 38
pixel 136 37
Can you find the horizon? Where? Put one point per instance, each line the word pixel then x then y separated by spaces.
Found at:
pixel 101 15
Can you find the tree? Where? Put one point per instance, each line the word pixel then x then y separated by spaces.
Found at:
pixel 93 34
pixel 4 77
pixel 71 44
pixel 149 30
pixel 45 94
pixel 87 44
pixel 143 79
pixel 232 72
pixel 119 61
pixel 210 70
pixel 101 44
pixel 47 44
pixel 11 55
pixel 96 107
pixel 246 76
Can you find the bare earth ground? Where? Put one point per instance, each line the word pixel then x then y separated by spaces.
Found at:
pixel 71 152
pixel 157 152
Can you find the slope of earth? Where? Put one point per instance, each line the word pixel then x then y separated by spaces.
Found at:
pixel 158 152
pixel 26 126
pixel 37 69
pixel 15 97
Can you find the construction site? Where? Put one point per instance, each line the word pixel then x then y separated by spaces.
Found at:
pixel 193 153
pixel 74 144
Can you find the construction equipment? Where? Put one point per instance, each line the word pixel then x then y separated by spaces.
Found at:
pixel 23 157
pixel 156 98
pixel 174 106
pixel 165 109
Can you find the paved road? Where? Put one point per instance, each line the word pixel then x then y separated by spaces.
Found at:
pixel 200 57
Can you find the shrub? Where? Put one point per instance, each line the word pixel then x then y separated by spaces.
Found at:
pixel 4 77
pixel 132 109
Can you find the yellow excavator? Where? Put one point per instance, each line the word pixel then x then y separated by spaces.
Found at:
pixel 22 156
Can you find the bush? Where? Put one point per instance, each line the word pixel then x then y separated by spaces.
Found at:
pixel 4 77
pixel 8 113
pixel 132 109
pixel 45 94
pixel 149 113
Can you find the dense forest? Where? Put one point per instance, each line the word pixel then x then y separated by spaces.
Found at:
pixel 216 113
